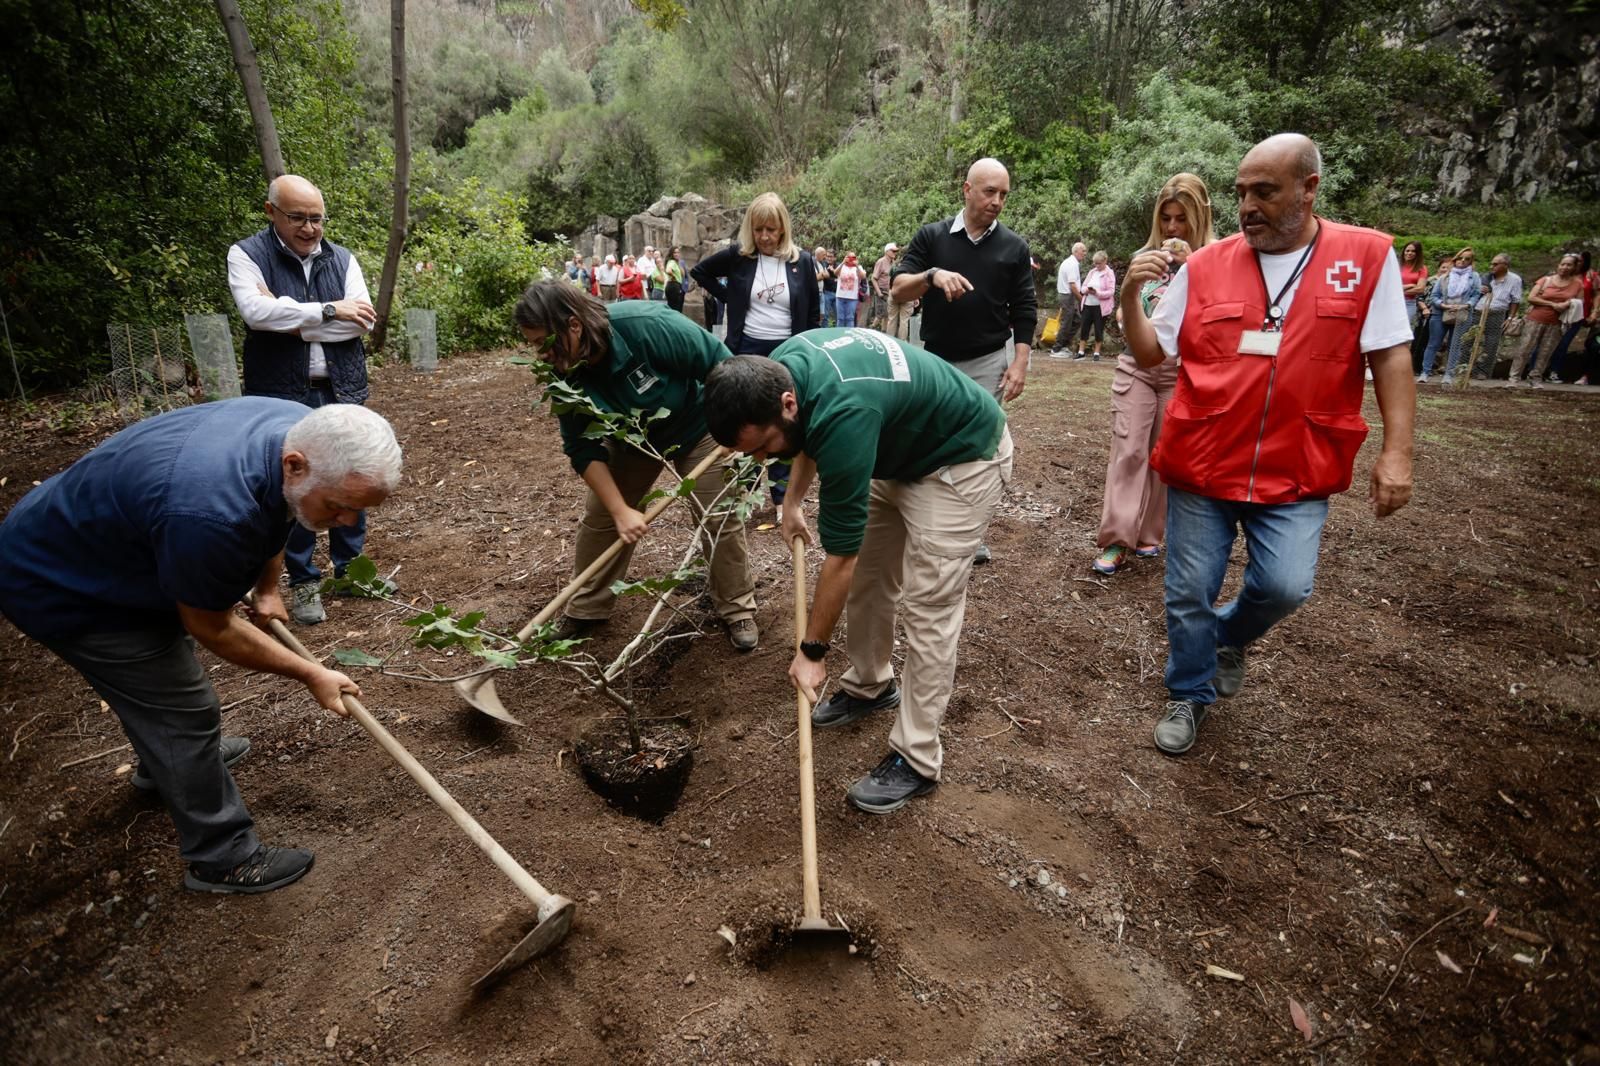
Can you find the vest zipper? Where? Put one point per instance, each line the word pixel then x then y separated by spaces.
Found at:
pixel 1255 460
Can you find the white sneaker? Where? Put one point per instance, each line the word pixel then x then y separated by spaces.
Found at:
pixel 1422 379
pixel 306 607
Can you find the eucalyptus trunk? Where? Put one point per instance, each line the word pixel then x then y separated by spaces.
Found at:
pixel 402 173
pixel 255 94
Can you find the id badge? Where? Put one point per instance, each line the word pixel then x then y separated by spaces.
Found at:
pixel 1260 342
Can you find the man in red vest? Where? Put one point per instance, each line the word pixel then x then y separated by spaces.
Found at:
pixel 1274 328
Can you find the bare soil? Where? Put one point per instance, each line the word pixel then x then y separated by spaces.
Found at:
pixel 1393 825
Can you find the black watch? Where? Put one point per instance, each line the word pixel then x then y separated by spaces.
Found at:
pixel 928 275
pixel 329 312
pixel 815 650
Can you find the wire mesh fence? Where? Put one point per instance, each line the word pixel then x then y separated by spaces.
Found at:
pixel 150 372
pixel 211 341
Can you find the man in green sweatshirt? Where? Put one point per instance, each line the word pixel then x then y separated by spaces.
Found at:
pixel 912 457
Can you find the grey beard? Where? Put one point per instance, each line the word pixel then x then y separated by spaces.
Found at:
pixel 1285 236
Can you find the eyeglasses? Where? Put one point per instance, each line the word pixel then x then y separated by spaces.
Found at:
pixel 302 220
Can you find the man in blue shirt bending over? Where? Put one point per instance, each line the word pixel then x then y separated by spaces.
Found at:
pixel 123 561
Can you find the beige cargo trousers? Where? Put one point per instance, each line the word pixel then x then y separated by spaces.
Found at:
pixel 917 555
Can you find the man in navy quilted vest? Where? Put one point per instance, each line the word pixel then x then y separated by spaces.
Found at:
pixel 305 307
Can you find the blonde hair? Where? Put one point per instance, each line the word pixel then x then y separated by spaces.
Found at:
pixel 1190 193
pixel 768 207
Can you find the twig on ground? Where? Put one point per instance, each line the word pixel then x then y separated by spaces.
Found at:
pixel 1148 800
pixel 1399 969
pixel 697 1010
pixel 1438 857
pixel 1296 795
pixel 1236 810
pixel 17 737
pixel 474 751
pixel 990 736
pixel 437 679
pixel 96 755
pixel 1337 1034
pixel 727 790
pixel 3 828
pixel 242 699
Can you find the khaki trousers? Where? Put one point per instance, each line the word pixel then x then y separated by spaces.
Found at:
pixel 732 591
pixel 897 320
pixel 1538 344
pixel 1134 510
pixel 917 553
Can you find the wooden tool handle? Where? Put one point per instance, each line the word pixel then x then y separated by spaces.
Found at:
pixel 811 899
pixel 469 825
pixel 610 553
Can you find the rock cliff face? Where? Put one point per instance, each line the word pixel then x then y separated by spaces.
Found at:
pixel 691 223
pixel 1543 63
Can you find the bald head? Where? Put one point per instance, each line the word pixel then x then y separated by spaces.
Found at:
pixel 1277 190
pixel 984 193
pixel 292 204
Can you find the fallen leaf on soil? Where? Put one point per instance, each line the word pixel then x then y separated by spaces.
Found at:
pixel 1526 960
pixel 104 706
pixel 1218 971
pixel 438 422
pixel 126 767
pixel 1523 935
pixel 1494 912
pixel 332 1039
pixel 729 935
pixel 763 527
pixel 1446 961
pixel 1297 1014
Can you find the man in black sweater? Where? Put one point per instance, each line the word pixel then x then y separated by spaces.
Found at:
pixel 975 280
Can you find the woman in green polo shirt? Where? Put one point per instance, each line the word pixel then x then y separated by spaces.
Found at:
pixel 632 356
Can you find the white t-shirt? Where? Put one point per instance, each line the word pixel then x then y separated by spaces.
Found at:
pixel 645 265
pixel 768 316
pixel 1387 323
pixel 607 273
pixel 850 283
pixel 1068 276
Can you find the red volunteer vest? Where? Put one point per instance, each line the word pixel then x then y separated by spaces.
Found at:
pixel 1261 429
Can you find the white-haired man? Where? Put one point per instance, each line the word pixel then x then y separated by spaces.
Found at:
pixel 1069 297
pixel 607 274
pixel 305 307
pixel 123 561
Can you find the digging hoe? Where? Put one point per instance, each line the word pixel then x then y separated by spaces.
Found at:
pixel 555 911
pixel 811 919
pixel 479 691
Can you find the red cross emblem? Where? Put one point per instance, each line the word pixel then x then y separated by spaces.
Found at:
pixel 1344 276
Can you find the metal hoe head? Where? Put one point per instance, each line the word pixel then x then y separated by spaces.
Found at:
pixel 555 921
pixel 480 693
pixel 821 925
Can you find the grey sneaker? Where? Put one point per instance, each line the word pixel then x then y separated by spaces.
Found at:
pixel 267 869
pixel 842 708
pixel 890 785
pixel 233 749
pixel 982 556
pixel 1230 671
pixel 1178 727
pixel 306 607
pixel 743 634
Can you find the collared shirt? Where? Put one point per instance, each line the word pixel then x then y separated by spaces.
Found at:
pixel 959 225
pixel 1070 275
pixel 285 314
pixel 1504 293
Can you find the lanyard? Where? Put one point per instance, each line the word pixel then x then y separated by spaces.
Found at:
pixel 1274 322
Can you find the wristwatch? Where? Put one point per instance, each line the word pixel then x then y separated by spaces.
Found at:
pixel 928 274
pixel 329 312
pixel 814 650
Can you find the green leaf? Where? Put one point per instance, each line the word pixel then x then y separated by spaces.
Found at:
pixel 504 660
pixel 355 657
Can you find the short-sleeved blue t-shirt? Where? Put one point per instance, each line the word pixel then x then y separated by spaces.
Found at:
pixel 186 507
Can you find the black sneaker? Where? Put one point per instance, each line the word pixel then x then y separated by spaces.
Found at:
pixel 233 749
pixel 890 785
pixel 842 708
pixel 267 869
pixel 1230 671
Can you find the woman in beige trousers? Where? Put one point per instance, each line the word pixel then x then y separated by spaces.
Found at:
pixel 1133 516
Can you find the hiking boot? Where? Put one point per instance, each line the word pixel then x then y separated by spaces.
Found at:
pixel 267 869
pixel 1230 671
pixel 842 708
pixel 233 749
pixel 570 628
pixel 743 634
pixel 1111 560
pixel 306 606
pixel 982 556
pixel 1180 723
pixel 889 786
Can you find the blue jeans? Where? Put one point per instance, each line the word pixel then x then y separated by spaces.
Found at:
pixel 847 311
pixel 1458 334
pixel 828 309
pixel 1281 542
pixel 344 542
pixel 777 473
pixel 1435 341
pixel 1559 357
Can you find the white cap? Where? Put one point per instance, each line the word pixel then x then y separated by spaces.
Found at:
pixel 891 247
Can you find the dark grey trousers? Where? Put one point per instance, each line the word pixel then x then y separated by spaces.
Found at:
pixel 170 712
